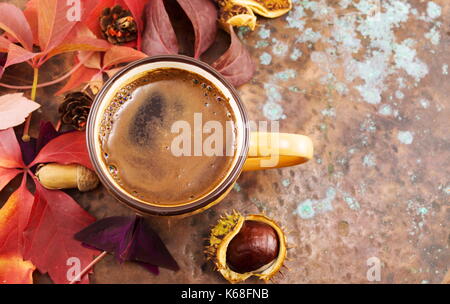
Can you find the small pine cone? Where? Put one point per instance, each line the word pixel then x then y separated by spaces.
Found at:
pixel 74 110
pixel 118 25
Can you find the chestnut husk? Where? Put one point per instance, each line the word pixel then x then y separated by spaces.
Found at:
pixel 227 228
pixel 267 8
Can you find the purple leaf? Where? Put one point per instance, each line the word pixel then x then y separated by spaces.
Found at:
pixel 152 268
pixel 47 132
pixel 28 149
pixel 203 16
pixel 129 239
pixel 158 37
pixel 236 64
pixel 31 148
pixel 147 247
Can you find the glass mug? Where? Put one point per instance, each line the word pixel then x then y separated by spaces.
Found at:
pixel 252 148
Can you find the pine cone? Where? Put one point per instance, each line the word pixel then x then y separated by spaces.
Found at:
pixel 118 25
pixel 74 110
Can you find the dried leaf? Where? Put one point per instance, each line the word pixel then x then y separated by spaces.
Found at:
pixel 203 15
pixel 14 108
pixel 49 243
pixel 129 239
pixel 14 216
pixel 236 64
pixel 68 148
pixel 10 156
pixel 158 37
pixel 14 23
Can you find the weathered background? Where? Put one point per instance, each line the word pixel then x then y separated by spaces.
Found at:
pixel 370 87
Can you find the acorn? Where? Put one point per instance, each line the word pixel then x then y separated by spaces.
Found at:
pixel 57 176
pixel 245 246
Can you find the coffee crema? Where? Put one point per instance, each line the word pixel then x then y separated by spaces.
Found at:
pixel 136 138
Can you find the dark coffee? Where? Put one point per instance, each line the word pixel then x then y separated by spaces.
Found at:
pixel 137 137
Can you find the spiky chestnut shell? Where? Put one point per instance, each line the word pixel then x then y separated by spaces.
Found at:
pixel 267 8
pixel 236 15
pixel 227 230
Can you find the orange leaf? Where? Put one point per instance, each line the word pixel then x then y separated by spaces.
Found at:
pixel 53 24
pixel 81 75
pixel 80 39
pixel 10 154
pixel 14 217
pixel 14 270
pixel 121 54
pixel 14 23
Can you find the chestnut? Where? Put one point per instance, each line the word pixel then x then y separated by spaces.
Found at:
pixel 254 246
pixel 245 246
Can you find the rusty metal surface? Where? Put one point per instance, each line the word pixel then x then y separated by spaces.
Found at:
pixel 373 95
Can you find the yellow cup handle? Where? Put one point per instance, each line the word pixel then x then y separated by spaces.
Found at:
pixel 276 150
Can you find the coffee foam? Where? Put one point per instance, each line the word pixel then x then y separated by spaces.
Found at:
pixel 143 135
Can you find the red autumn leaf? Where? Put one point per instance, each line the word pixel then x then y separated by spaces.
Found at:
pixel 14 22
pixel 68 148
pixel 136 8
pixel 10 155
pixel 49 242
pixel 14 216
pixel 121 54
pixel 44 23
pixel 236 64
pixel 77 42
pixel 6 175
pixel 93 68
pixel 158 37
pixel 53 24
pixel 81 75
pixel 203 15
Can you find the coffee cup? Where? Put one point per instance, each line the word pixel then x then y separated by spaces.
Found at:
pixel 123 163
